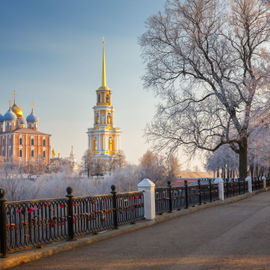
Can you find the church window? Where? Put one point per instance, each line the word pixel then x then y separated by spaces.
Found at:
pixel 9 140
pixel 20 152
pixel 107 99
pixel 32 153
pixel 95 144
pixel 97 118
pixel 20 141
pixel 3 152
pixel 44 142
pixel 109 118
pixel 32 141
pixel 98 98
pixel 44 154
pixel 110 144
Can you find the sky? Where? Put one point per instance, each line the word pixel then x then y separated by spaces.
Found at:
pixel 51 54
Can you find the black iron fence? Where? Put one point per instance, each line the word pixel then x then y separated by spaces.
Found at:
pixel 234 187
pixel 257 183
pixel 176 198
pixel 28 224
pixel 267 181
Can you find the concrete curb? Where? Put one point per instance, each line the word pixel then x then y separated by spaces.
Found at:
pixel 54 248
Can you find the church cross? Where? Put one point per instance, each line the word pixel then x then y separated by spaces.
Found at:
pixel 32 104
pixel 15 95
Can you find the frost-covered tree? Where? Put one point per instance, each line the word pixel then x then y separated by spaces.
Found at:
pixel 224 161
pixel 153 167
pixel 117 161
pixel 172 168
pixel 89 162
pixel 208 60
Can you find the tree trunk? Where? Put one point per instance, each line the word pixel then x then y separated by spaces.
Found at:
pixel 243 158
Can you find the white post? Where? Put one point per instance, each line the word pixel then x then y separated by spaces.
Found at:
pixel 148 188
pixel 220 188
pixel 264 182
pixel 248 179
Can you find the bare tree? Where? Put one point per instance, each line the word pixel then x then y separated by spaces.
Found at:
pixel 89 162
pixel 152 167
pixel 173 168
pixel 208 61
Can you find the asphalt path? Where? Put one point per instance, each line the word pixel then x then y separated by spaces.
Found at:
pixel 232 236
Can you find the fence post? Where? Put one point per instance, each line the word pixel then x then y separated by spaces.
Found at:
pixel 115 222
pixel 220 189
pixel 170 196
pixel 239 185
pixel 3 224
pixel 264 182
pixel 186 193
pixel 70 213
pixel 248 179
pixel 148 188
pixel 210 190
pixel 200 194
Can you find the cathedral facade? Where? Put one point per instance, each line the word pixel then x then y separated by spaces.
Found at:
pixel 20 140
pixel 104 137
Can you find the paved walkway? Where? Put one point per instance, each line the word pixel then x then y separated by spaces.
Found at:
pixel 233 236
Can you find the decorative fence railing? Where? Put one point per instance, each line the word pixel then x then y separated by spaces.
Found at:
pixel 268 181
pixel 175 198
pixel 28 224
pixel 234 187
pixel 257 183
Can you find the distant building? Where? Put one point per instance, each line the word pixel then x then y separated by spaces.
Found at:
pixel 104 137
pixel 20 140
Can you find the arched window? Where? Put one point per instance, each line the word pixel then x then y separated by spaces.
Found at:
pixel 20 152
pixel 109 118
pixel 108 98
pixel 110 144
pixel 97 118
pixel 98 100
pixel 95 144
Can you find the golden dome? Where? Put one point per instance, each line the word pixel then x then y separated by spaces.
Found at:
pixel 17 111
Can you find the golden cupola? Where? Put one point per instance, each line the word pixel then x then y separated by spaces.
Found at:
pixel 16 109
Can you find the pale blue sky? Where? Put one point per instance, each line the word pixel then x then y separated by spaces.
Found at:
pixel 50 52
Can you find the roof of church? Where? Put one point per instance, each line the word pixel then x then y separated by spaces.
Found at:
pixel 32 117
pixel 26 131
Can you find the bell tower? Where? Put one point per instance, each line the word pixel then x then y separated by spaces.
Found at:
pixel 104 137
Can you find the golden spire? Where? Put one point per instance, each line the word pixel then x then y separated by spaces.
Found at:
pixel 103 66
pixel 103 80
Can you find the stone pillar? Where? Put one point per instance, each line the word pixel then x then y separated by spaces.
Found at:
pixel 264 182
pixel 220 188
pixel 148 188
pixel 248 179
